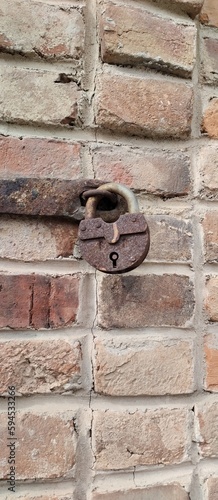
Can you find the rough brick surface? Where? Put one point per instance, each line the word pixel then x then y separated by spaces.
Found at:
pixel 45 497
pixel 132 105
pixel 171 239
pixel 122 440
pixel 209 59
pixel 206 429
pixel 41 366
pixel 132 34
pixel 207 161
pixel 41 30
pixel 168 492
pixel 150 300
pixel 29 301
pixel 163 173
pixel 136 368
pixel 212 488
pixel 210 119
pixel 46 101
pixel 211 300
pixel 209 13
pixel 210 228
pixel 28 239
pixel 20 157
pixel 45 448
pixel 211 362
pixel 190 6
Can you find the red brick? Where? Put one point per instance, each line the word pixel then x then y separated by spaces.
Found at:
pixel 133 35
pixel 41 30
pixel 210 119
pixel 45 447
pixel 211 300
pixel 39 158
pixel 208 167
pixel 211 363
pixel 150 300
pixel 171 238
pixel 143 106
pixel 212 488
pixel 209 51
pixel 206 429
pixel 162 173
pixel 190 6
pixel 29 301
pixel 29 239
pixel 130 104
pixel 134 367
pixel 209 13
pixel 122 440
pixel 166 492
pixel 40 367
pixel 46 102
pixel 210 228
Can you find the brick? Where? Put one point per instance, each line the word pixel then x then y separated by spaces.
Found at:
pixel 132 105
pixel 136 368
pixel 133 35
pixel 41 367
pixel 36 240
pixel 190 6
pixel 166 492
pixel 171 239
pixel 211 300
pixel 150 300
pixel 122 440
pixel 41 30
pixel 210 119
pixel 209 49
pixel 211 363
pixel 162 173
pixel 46 101
pixel 210 228
pixel 208 167
pixel 45 447
pixel 206 429
pixel 43 158
pixel 29 301
pixel 60 496
pixel 212 488
pixel 209 13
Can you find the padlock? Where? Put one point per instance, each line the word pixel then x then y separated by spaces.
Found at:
pixel 115 247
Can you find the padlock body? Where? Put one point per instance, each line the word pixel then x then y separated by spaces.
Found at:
pixel 115 247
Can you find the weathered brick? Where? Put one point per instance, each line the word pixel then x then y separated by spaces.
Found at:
pixel 211 300
pixel 41 366
pixel 46 101
pixel 210 119
pixel 132 105
pixel 212 488
pixel 209 49
pixel 211 363
pixel 132 367
pixel 190 6
pixel 122 439
pixel 171 238
pixel 163 173
pixel 209 13
pixel 210 228
pixel 38 301
pixel 165 492
pixel 133 35
pixel 20 157
pixel 45 446
pixel 48 496
pixel 208 167
pixel 43 30
pixel 29 239
pixel 206 429
pixel 150 300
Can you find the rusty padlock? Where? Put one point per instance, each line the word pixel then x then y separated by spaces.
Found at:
pixel 115 247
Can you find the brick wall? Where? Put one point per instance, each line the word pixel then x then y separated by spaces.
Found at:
pixel 116 376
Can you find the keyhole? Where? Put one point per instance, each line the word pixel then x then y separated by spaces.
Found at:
pixel 114 256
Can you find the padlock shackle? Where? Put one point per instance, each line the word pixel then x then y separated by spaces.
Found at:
pixel 113 187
